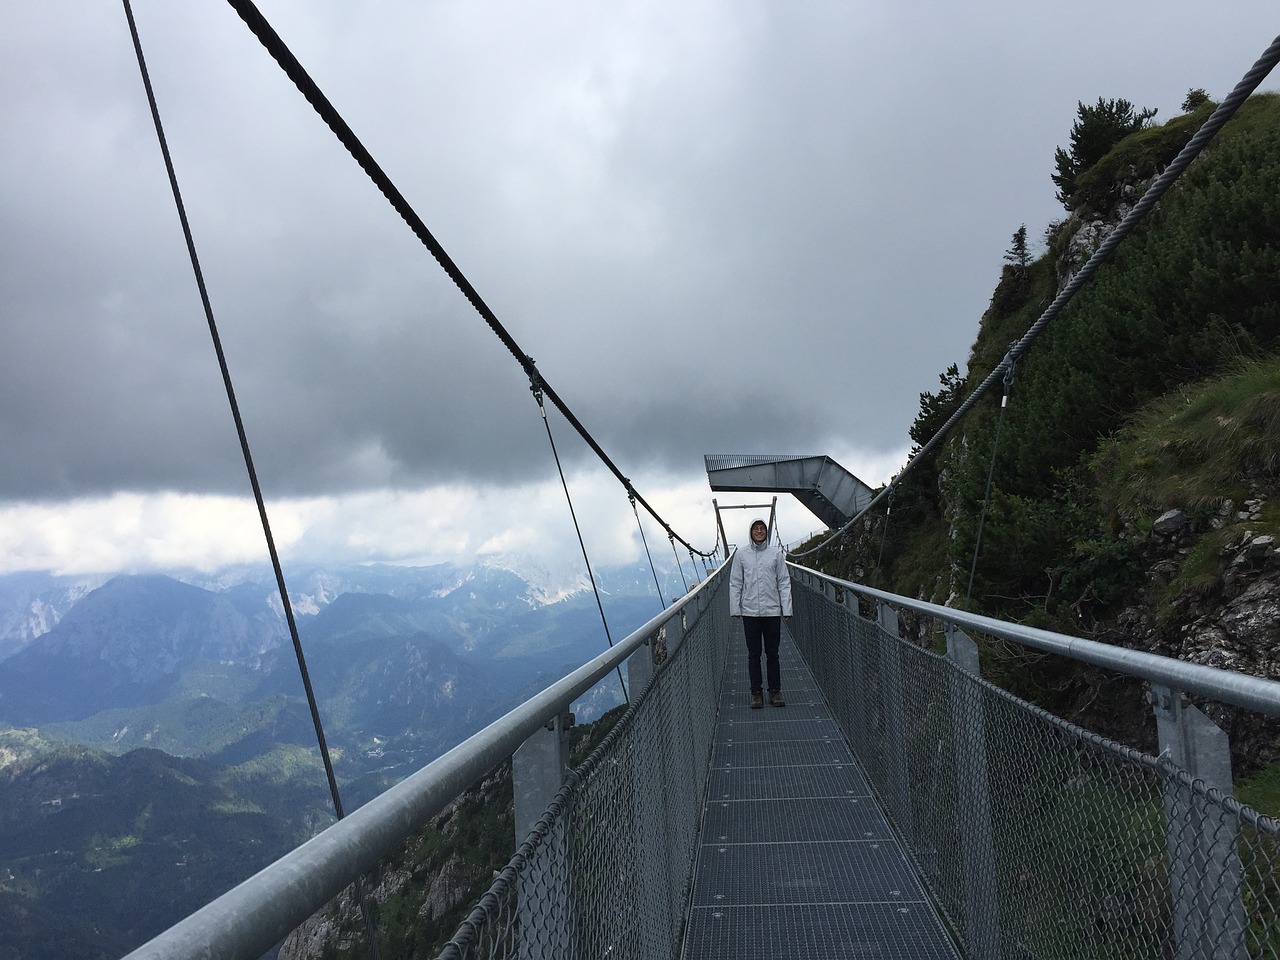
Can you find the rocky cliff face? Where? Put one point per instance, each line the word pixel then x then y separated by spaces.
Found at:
pixel 1088 229
pixel 1211 595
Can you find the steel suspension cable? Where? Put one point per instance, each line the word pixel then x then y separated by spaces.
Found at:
pixel 241 433
pixel 884 534
pixel 991 472
pixel 235 412
pixel 1225 110
pixel 280 52
pixel 679 565
pixel 542 410
pixel 652 568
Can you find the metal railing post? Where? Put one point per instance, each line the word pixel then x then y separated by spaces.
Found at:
pixel 895 719
pixel 640 666
pixel 973 788
pixel 538 768
pixel 858 712
pixel 648 815
pixel 1204 864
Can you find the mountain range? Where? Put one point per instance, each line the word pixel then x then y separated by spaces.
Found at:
pixel 156 745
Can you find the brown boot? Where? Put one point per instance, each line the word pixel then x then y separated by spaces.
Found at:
pixel 757 701
pixel 775 698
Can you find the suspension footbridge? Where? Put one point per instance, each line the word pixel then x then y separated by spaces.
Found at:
pixel 899 806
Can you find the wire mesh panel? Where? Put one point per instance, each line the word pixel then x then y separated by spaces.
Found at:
pixel 606 871
pixel 1037 838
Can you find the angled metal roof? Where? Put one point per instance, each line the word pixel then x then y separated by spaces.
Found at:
pixel 831 492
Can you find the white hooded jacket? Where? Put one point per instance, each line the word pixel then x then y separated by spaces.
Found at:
pixel 759 584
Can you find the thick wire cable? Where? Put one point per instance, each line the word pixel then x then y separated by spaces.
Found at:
pixel 679 565
pixel 542 410
pixel 334 792
pixel 884 535
pixel 991 472
pixel 310 90
pixel 235 412
pixel 652 568
pixel 1257 73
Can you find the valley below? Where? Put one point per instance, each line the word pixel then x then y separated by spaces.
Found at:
pixel 156 745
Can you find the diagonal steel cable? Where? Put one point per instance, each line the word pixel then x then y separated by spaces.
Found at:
pixel 652 568
pixel 235 410
pixel 267 35
pixel 1247 85
pixel 334 793
pixel 542 410
pixel 679 565
pixel 991 473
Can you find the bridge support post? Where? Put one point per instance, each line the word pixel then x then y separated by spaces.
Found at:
pixel 538 769
pixel 640 666
pixel 973 789
pixel 858 713
pixel 1204 865
pixel 895 717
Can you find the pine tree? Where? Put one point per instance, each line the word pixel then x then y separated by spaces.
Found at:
pixel 1017 254
pixel 1195 98
pixel 1097 129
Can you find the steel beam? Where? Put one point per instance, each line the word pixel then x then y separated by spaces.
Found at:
pixel 831 492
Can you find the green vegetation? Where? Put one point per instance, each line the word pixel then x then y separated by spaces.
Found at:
pixel 1140 156
pixel 1198 445
pixel 99 853
pixel 1097 129
pixel 1155 389
pixel 1187 298
pixel 1262 791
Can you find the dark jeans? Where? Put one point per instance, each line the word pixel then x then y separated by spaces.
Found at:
pixel 763 632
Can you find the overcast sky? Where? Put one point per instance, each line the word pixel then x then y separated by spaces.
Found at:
pixel 719 226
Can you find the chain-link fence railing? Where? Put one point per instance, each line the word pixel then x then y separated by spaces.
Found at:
pixel 1038 838
pixel 606 871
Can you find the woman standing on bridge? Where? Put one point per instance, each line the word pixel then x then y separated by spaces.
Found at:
pixel 760 593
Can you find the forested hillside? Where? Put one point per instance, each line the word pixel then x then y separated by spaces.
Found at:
pixel 101 853
pixel 1132 488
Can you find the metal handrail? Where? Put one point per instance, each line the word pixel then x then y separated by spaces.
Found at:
pixel 1252 693
pixel 250 919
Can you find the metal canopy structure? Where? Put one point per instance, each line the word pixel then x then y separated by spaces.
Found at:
pixel 832 493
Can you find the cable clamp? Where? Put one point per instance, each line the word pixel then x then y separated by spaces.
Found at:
pixel 1009 362
pixel 535 386
pixel 535 378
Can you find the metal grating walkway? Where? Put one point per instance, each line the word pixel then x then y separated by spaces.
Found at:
pixel 795 859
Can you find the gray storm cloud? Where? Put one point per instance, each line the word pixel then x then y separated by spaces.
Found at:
pixel 716 226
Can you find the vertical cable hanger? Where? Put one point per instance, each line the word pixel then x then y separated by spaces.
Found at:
pixel 679 567
pixel 235 408
pixel 632 497
pixel 535 387
pixel 884 531
pixel 334 793
pixel 991 470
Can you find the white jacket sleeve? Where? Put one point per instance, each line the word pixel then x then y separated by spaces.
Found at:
pixel 735 587
pixel 784 584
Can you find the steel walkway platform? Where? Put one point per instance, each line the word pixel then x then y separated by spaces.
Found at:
pixel 795 858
